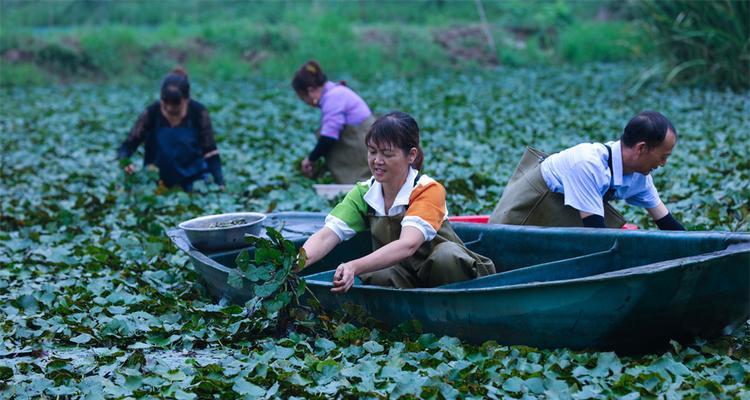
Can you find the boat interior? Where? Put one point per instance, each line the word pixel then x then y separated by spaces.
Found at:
pixel 527 254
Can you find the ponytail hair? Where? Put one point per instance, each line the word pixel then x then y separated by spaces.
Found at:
pixel 175 87
pixel 179 71
pixel 309 75
pixel 399 130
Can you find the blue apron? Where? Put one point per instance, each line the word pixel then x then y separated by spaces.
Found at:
pixel 179 156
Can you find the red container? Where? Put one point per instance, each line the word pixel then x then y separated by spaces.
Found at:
pixel 477 219
pixel 630 227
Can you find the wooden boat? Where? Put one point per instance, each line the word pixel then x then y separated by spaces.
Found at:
pixel 555 287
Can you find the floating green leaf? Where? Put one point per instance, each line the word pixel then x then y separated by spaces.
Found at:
pixel 373 347
pixel 95 299
pixel 244 387
pixel 513 384
pixel 5 373
pixel 82 338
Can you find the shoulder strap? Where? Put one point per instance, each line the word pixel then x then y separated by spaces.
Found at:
pixel 611 191
pixel 194 113
pixel 371 211
pixel 416 179
pixel 154 112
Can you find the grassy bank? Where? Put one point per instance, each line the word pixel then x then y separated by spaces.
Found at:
pixel 126 42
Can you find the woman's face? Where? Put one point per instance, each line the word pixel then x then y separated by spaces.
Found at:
pixel 311 97
pixel 305 97
pixel 174 110
pixel 388 163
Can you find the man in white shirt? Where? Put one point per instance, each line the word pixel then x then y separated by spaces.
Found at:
pixel 573 187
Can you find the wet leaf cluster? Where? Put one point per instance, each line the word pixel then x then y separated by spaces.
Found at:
pixel 273 280
pixel 95 301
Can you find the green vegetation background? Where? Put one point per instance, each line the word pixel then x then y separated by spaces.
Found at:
pixel 95 301
pixel 126 41
pixel 703 42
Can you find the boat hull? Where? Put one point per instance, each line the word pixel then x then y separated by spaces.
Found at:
pixel 556 287
pixel 628 312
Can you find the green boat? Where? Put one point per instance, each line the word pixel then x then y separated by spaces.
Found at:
pixel 578 288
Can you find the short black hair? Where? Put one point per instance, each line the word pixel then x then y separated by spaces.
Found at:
pixel 171 95
pixel 648 126
pixel 398 129
pixel 175 86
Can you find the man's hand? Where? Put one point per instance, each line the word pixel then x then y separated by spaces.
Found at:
pixel 129 169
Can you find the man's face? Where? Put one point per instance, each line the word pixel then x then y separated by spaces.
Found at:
pixel 650 159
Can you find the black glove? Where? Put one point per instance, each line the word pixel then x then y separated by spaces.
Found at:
pixel 214 167
pixel 668 223
pixel 594 221
pixel 324 145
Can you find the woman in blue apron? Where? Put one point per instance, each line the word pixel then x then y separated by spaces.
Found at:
pixel 178 137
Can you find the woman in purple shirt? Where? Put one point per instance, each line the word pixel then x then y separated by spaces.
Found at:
pixel 345 120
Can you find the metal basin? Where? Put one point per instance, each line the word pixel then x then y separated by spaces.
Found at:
pixel 204 234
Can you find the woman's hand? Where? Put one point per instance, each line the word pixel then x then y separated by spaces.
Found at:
pixel 307 167
pixel 343 279
pixel 392 253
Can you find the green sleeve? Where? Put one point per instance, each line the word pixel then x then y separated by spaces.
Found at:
pixel 353 209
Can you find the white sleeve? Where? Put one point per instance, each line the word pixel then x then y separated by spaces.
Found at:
pixel 427 230
pixel 646 198
pixel 582 188
pixel 340 228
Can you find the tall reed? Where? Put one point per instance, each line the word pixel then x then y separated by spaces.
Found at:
pixel 702 42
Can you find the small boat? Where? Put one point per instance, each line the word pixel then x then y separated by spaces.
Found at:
pixel 602 289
